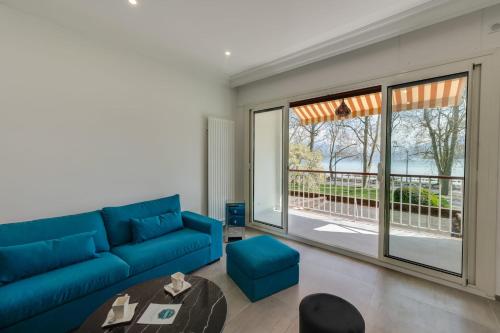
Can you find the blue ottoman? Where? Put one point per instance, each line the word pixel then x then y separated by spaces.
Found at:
pixel 262 266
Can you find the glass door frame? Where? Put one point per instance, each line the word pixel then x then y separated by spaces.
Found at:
pixel 468 248
pixel 284 168
pixel 473 97
pixel 388 174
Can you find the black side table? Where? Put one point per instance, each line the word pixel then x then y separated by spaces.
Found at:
pixel 325 313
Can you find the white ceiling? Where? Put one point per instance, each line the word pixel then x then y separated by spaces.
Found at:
pixel 259 33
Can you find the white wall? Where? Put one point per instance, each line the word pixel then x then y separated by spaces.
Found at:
pixel 458 39
pixel 83 125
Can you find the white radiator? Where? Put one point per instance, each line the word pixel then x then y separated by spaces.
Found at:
pixel 220 166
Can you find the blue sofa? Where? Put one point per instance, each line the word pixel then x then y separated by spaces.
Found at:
pixel 59 300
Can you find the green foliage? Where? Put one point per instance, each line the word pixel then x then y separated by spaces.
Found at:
pixel 300 157
pixel 426 197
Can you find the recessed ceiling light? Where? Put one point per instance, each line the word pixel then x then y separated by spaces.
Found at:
pixel 495 28
pixel 227 53
pixel 132 2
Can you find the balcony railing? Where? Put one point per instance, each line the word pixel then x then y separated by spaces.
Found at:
pixel 426 203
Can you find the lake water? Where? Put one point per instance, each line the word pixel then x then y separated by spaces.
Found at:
pixel 415 166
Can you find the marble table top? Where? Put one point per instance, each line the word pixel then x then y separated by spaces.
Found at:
pixel 204 308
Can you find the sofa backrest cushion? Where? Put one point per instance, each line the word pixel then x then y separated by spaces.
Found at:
pixel 25 260
pixel 118 219
pixel 55 227
pixel 155 226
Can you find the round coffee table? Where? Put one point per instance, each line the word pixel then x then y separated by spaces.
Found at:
pixel 204 308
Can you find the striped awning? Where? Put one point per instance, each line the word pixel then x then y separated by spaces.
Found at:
pixel 430 95
pixel 361 105
pixel 435 94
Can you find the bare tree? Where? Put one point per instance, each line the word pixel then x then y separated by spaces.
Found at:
pixel 366 129
pixel 313 130
pixel 299 133
pixel 296 132
pixel 444 127
pixel 396 120
pixel 339 147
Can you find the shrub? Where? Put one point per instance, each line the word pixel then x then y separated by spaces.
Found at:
pixel 425 197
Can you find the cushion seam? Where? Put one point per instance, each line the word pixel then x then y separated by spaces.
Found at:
pixel 164 263
pixel 263 276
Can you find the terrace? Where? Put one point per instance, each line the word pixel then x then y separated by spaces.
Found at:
pixel 342 209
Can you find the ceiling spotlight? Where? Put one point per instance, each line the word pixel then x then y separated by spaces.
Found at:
pixel 132 2
pixel 495 28
pixel 227 53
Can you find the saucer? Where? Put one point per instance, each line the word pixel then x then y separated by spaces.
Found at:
pixel 169 288
pixel 110 319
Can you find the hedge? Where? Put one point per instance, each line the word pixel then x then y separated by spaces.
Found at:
pixel 425 197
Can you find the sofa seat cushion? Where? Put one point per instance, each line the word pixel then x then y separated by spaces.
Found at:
pixel 260 256
pixel 155 252
pixel 25 298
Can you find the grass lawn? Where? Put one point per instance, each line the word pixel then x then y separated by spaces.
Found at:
pixel 351 191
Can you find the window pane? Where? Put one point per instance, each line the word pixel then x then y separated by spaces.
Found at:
pixel 427 163
pixel 267 199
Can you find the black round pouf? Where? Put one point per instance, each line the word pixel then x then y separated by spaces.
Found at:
pixel 325 313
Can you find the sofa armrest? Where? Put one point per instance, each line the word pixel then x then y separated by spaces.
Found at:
pixel 206 225
pixel 200 222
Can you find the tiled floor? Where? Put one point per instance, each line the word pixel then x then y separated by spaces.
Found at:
pixel 361 236
pixel 389 301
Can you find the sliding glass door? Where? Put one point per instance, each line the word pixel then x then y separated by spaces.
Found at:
pixel 425 172
pixel 267 200
pixel 389 158
pixel 333 188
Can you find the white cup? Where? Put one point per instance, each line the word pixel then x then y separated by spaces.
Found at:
pixel 177 281
pixel 120 306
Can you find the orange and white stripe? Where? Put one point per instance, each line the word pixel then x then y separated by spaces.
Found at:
pixel 443 93
pixel 429 95
pixel 363 105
